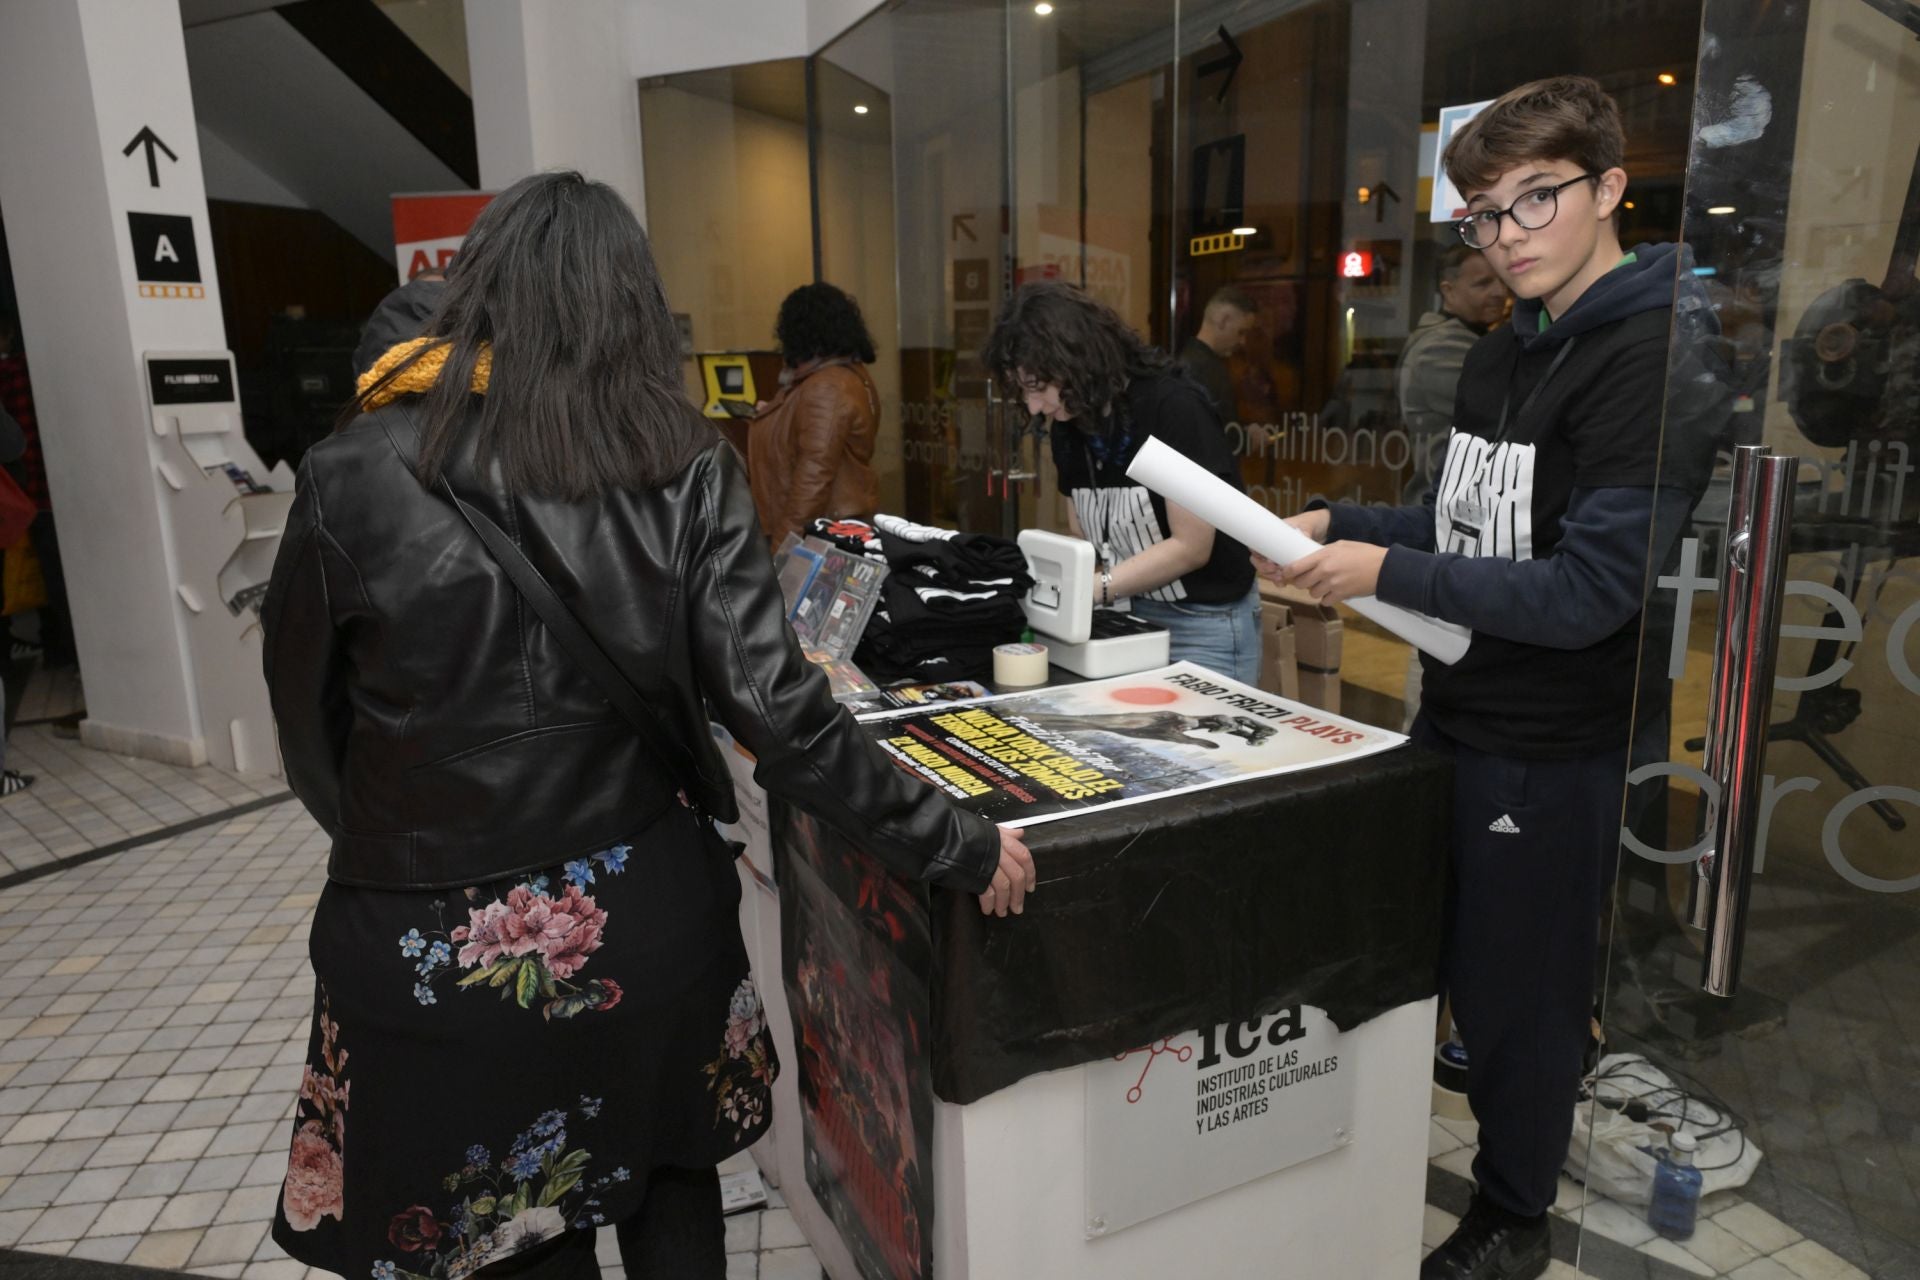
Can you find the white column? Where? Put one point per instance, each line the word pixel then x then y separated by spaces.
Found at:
pixel 80 80
pixel 553 89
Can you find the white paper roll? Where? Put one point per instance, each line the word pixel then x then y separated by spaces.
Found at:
pixel 1179 479
pixel 1019 664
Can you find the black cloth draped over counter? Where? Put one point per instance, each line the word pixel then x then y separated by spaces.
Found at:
pixel 1323 887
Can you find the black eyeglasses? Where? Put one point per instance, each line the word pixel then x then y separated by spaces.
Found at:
pixel 1530 212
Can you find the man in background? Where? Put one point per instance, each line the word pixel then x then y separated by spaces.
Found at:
pixel 1223 335
pixel 55 646
pixel 1472 301
pixel 401 317
pixel 13 443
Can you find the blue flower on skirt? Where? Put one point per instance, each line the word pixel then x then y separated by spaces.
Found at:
pixel 580 871
pixel 424 994
pixel 614 859
pixel 621 1174
pixel 439 953
pixel 589 1107
pixel 383 1270
pixel 413 944
pixel 549 1123
pixel 477 1154
pixel 525 1165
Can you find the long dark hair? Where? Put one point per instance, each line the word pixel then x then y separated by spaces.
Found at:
pixel 820 320
pixel 585 393
pixel 1054 332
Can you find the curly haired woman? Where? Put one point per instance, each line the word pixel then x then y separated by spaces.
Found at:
pixel 1076 363
pixel 810 450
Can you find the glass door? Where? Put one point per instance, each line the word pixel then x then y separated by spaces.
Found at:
pixel 1803 214
pixel 1090 94
pixel 927 158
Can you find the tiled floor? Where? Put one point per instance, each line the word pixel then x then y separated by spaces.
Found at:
pixel 154 1006
pixel 152 1028
pixel 83 800
pixel 154 1009
pixel 1733 1238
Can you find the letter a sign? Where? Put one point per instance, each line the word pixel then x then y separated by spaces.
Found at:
pixel 166 259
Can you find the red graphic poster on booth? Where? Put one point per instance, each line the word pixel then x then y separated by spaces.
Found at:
pixel 858 944
pixel 428 229
pixel 1023 758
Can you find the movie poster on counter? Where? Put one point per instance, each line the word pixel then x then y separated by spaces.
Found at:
pixel 1025 758
pixel 1196 1114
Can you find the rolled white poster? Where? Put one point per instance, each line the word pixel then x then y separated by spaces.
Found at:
pixel 1178 478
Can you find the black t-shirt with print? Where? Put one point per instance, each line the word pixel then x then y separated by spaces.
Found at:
pixel 1128 518
pixel 1587 417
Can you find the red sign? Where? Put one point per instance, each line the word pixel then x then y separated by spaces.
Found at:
pixel 427 230
pixel 1356 264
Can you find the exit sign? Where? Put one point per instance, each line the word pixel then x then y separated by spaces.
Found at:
pixel 1356 264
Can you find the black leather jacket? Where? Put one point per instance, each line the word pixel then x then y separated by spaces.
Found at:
pixel 441 735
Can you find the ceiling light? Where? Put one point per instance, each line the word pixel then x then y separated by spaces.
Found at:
pixel 859 108
pixel 1043 8
pixel 1245 231
pixel 1668 78
pixel 1721 210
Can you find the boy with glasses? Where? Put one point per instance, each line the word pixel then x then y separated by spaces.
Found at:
pixel 1537 537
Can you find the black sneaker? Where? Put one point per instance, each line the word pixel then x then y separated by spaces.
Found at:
pixel 1490 1244
pixel 13 782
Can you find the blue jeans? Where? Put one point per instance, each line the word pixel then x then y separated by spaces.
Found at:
pixel 1223 638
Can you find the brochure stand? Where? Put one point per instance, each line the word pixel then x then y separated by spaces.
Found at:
pixel 224 513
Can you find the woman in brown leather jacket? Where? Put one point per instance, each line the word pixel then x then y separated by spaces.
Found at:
pixel 810 450
pixel 533 1001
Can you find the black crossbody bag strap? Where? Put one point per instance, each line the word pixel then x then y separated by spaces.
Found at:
pixel 573 637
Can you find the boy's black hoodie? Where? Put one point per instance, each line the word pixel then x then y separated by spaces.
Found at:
pixel 1539 528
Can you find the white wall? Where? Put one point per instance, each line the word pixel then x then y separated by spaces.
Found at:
pixel 664 36
pixel 232 176
pixel 89 74
pixel 827 20
pixel 553 88
pixel 264 90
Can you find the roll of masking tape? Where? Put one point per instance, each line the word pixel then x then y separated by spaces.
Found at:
pixel 1019 664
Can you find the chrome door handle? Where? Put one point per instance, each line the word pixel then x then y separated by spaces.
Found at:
pixel 1740 700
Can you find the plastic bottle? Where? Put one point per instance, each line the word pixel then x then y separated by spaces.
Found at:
pixel 1676 1190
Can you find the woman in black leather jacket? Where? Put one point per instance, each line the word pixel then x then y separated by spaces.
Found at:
pixel 533 1001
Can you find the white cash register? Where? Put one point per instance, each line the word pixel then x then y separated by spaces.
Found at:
pixel 1089 642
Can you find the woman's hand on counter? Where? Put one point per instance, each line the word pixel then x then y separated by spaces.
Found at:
pixel 1014 879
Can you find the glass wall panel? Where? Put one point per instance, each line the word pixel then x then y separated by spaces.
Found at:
pixel 1157 152
pixel 854 181
pixel 1802 208
pixel 728 194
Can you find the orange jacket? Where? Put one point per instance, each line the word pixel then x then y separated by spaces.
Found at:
pixel 810 453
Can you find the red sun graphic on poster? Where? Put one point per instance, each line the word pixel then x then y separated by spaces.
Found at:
pixel 1145 696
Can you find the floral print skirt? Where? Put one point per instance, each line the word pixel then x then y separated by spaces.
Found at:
pixel 493 1066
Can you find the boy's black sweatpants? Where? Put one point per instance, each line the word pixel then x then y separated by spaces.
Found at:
pixel 1535 846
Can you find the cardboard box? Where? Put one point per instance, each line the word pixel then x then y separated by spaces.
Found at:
pixel 1278 670
pixel 1317 633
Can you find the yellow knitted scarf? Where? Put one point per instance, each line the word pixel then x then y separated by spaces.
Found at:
pixel 420 375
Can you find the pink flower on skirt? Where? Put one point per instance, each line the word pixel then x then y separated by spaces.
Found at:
pixel 561 931
pixel 484 935
pixel 568 931
pixel 312 1190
